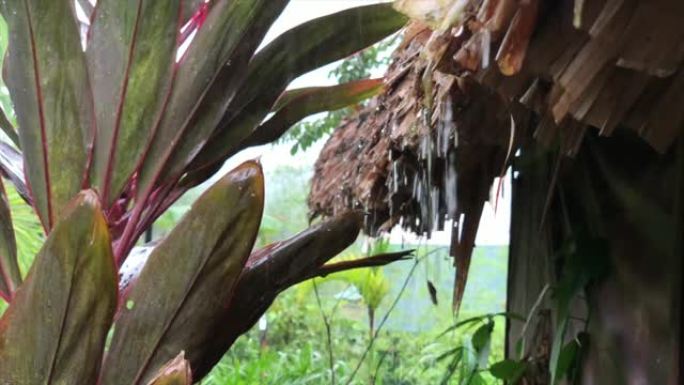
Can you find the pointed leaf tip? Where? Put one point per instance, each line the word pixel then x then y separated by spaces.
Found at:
pixel 175 372
pixel 295 105
pixel 247 170
pixel 328 39
pixel 88 198
pixel 55 329
pixel 269 271
pixel 183 290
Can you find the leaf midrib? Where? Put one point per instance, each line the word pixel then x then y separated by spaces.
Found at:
pixel 41 118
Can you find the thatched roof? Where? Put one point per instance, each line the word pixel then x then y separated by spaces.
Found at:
pixel 458 99
pixel 576 64
pixel 387 162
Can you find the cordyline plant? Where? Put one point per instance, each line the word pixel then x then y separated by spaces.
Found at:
pixel 117 118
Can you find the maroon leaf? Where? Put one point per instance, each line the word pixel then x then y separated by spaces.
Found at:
pixel 297 51
pixel 131 56
pixel 208 76
pixel 54 331
pixel 210 72
pixel 187 282
pixel 296 105
pixel 46 73
pixel 270 271
pixel 374 261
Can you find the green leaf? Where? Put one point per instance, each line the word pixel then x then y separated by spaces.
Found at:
pixel 508 370
pixel 465 322
pixel 10 277
pixel 210 73
pixel 184 288
pixel 45 71
pixel 479 318
pixel 477 379
pixel 295 105
pixel 8 128
pixel 587 263
pixel 295 52
pixel 176 372
pixel 481 342
pixel 457 351
pixel 131 55
pixel 54 331
pixel 27 230
pixel 453 366
pixel 570 356
pixel 565 359
pixel 377 260
pixel 271 270
pixel 483 336
pixel 468 366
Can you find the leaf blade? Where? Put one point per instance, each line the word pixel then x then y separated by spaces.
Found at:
pixel 61 314
pixel 131 57
pixel 176 372
pixel 51 101
pixel 269 271
pixel 508 370
pixel 207 80
pixel 190 270
pixel 295 105
pixel 295 52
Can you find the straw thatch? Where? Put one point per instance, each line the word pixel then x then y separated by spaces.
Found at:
pixel 458 100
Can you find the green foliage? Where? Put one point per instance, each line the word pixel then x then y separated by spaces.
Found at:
pixel 306 133
pixel 587 261
pixel 114 132
pixel 402 355
pixel 470 362
pixel 286 211
pixel 508 370
pixel 279 357
pixel 361 65
pixel 27 229
pixel 356 67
